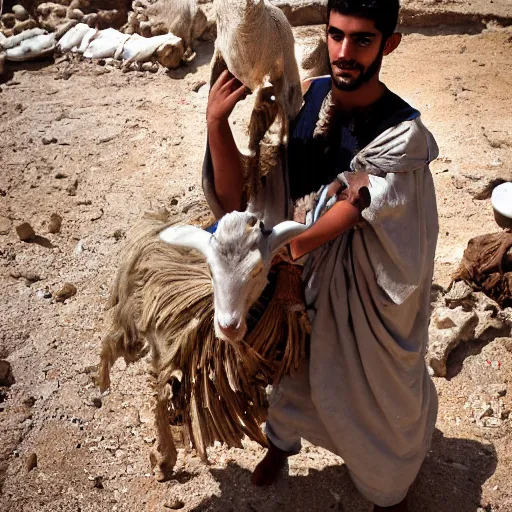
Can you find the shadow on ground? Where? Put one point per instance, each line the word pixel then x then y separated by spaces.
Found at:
pixel 450 480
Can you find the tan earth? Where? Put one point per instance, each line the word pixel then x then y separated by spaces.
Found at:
pixel 99 147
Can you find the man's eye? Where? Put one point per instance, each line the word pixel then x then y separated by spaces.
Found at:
pixel 364 41
pixel 336 37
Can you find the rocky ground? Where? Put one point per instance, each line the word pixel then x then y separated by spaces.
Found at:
pixel 98 147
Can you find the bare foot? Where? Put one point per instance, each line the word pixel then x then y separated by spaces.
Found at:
pixel 268 469
pixel 399 507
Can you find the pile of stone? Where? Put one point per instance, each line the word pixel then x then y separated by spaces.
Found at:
pixel 53 16
pixel 154 33
pixel 487 407
pixel 461 315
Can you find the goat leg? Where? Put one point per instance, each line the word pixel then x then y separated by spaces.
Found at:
pixel 262 117
pixel 165 455
pixel 217 66
pixel 111 349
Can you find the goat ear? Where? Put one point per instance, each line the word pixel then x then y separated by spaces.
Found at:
pixel 283 233
pixel 187 236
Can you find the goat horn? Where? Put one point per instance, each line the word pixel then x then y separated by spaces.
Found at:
pixel 283 233
pixel 190 237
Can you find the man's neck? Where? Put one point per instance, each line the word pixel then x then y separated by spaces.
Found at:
pixel 365 96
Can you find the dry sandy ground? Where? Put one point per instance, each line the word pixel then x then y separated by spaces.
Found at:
pixel 135 141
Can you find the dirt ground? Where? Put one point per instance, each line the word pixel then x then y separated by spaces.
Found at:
pixel 100 147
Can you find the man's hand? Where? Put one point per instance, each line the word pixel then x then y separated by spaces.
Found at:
pixel 225 93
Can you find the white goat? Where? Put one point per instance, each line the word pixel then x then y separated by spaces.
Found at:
pixel 208 378
pixel 239 255
pixel 256 44
pixel 183 18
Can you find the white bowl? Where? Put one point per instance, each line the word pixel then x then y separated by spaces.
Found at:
pixel 501 201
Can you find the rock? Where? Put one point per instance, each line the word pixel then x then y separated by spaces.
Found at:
pixel 486 405
pixel 71 189
pixel 46 141
pixel 448 328
pixel 80 248
pixel 31 462
pixel 442 321
pixel 169 55
pixel 29 402
pixel 5 225
pixel 304 12
pixel 149 66
pixel 490 326
pixel 491 422
pixel 112 18
pixel 91 19
pixel 492 321
pixel 66 292
pixel 20 12
pixel 197 85
pixel 98 482
pixel 174 504
pixel 44 293
pixel 8 20
pixel 460 294
pixel 75 14
pixel 25 232
pixel 55 223
pixel 6 376
pixel 21 26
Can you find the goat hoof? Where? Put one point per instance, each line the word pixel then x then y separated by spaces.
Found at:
pixel 162 470
pixel 162 474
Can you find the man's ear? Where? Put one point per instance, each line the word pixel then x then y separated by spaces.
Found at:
pixel 392 42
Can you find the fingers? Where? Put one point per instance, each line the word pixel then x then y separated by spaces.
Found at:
pixel 221 81
pixel 230 85
pixel 240 93
pixel 234 97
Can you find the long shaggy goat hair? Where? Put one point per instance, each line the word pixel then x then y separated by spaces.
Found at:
pixel 162 300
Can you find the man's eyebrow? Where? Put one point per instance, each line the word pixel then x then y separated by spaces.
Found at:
pixel 337 31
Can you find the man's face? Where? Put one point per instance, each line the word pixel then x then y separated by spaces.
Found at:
pixel 355 50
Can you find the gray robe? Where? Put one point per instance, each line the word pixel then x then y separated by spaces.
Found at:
pixel 365 393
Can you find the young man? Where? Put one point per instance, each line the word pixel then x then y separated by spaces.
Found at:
pixel 364 393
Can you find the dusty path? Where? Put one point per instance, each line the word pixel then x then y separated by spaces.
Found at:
pixel 135 141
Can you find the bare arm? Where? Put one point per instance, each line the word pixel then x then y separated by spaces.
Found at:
pixel 226 159
pixel 340 218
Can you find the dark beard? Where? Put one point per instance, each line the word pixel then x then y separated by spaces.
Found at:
pixel 364 76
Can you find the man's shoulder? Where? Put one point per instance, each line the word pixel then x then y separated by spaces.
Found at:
pixel 406 146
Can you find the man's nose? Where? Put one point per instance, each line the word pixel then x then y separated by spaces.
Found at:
pixel 346 49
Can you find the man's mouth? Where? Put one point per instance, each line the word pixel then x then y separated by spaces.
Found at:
pixel 344 69
pixel 345 72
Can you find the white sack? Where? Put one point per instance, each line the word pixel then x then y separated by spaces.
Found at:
pixel 105 44
pixel 73 37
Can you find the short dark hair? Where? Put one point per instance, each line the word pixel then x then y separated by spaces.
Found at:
pixel 384 13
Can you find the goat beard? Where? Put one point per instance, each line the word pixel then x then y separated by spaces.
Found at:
pixel 348 84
